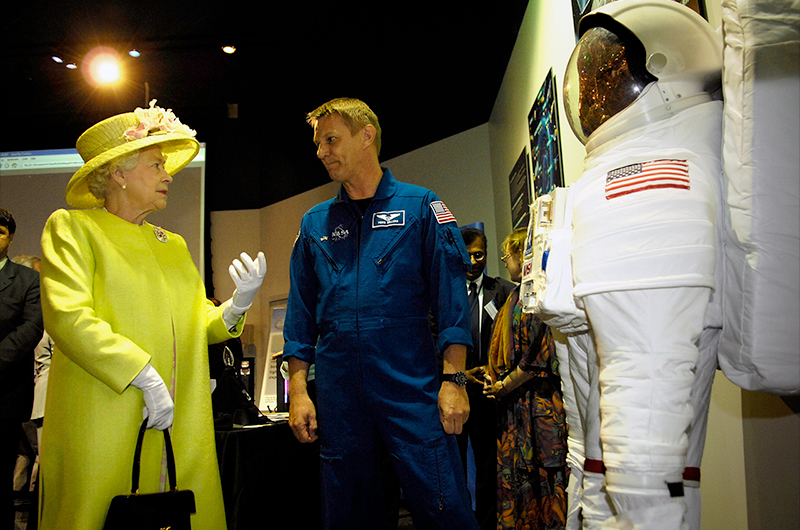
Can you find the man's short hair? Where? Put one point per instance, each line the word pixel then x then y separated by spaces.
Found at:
pixel 471 234
pixel 355 113
pixel 7 220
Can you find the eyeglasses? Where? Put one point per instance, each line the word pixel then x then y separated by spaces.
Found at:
pixel 478 256
pixel 504 259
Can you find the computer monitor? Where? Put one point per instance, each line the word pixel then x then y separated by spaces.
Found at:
pixel 33 185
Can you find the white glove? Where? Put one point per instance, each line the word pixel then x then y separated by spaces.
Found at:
pixel 159 407
pixel 247 275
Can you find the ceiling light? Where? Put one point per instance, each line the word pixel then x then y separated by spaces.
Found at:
pixel 72 66
pixel 107 72
pixel 59 60
pixel 101 66
pixel 229 49
pixel 134 53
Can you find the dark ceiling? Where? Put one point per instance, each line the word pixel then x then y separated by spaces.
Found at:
pixel 429 70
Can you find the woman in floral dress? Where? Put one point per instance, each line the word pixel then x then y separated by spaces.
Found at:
pixel 532 472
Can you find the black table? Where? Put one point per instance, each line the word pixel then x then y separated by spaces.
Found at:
pixel 268 477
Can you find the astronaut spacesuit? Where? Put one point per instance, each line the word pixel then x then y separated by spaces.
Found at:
pixel 646 238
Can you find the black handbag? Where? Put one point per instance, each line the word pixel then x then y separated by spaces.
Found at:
pixel 151 511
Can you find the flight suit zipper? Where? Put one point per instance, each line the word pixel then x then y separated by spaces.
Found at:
pixel 326 254
pixel 360 220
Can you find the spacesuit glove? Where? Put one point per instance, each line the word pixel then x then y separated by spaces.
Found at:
pixel 159 408
pixel 247 275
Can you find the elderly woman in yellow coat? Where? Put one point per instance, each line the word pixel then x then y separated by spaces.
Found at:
pixel 128 313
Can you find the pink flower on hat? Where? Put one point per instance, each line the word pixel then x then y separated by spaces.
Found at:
pixel 156 120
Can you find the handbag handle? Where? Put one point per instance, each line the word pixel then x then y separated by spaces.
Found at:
pixel 137 458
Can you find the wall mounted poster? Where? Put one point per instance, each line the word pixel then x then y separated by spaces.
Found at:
pixel 545 144
pixel 519 183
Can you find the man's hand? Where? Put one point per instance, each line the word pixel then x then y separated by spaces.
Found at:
pixel 303 418
pixel 302 413
pixel 475 375
pixel 453 400
pixel 453 407
pixel 492 389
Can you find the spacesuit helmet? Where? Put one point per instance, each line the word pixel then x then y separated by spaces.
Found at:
pixel 628 45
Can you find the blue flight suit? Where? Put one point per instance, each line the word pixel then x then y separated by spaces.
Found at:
pixel 361 289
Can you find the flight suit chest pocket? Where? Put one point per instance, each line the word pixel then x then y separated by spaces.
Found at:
pixel 396 247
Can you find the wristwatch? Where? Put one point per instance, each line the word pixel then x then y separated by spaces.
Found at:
pixel 459 378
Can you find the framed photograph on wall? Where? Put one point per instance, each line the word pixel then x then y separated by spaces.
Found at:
pixel 544 130
pixel 519 182
pixel 273 388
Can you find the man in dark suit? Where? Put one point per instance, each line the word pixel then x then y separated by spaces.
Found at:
pixel 21 329
pixel 487 295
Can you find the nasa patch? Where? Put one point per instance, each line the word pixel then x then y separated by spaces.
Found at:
pixel 385 219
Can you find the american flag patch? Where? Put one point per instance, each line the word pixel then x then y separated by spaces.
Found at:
pixel 442 213
pixel 655 174
pixel 527 268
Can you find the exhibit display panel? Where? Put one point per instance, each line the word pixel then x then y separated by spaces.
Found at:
pixel 33 184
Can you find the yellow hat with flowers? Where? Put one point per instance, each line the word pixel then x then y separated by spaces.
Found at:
pixel 123 134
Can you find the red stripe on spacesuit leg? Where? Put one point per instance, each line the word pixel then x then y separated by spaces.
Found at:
pixel 594 466
pixel 691 473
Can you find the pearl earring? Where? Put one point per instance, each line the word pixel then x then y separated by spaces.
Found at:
pixel 124 187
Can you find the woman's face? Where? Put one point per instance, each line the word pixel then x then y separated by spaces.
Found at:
pixel 514 266
pixel 146 185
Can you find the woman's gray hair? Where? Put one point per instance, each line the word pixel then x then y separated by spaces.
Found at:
pixel 27 260
pixel 99 179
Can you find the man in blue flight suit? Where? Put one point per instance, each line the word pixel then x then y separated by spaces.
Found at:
pixel 366 267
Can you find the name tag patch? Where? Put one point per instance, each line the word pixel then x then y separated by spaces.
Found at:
pixel 491 309
pixel 384 219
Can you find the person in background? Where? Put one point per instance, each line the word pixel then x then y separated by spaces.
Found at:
pixel 41 369
pixel 365 268
pixel 531 423
pixel 42 354
pixel 486 296
pixel 20 330
pixel 127 310
pixel 41 366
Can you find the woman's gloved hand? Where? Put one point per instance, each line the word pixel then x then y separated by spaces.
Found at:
pixel 247 275
pixel 159 407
